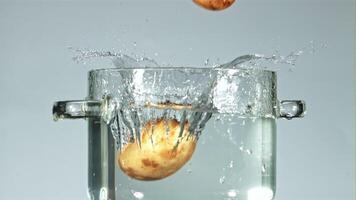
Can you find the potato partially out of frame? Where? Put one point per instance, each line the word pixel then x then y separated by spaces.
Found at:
pixel 214 4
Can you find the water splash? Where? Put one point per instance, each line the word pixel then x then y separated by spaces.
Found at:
pixel 119 60
pixel 250 61
pixel 82 55
pixel 255 60
pixel 218 96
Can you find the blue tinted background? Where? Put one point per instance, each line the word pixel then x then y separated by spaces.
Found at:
pixel 41 159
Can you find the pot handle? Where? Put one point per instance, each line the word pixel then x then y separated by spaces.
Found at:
pixel 290 109
pixel 76 109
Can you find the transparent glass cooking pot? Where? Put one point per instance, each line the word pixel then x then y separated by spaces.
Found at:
pixel 217 126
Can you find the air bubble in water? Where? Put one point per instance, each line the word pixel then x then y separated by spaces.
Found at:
pixel 249 151
pixel 222 179
pixel 232 193
pixel 137 194
pixel 231 164
pixel 243 149
pixel 260 193
pixel 263 168
pixel 230 136
pixel 103 193
pixel 189 170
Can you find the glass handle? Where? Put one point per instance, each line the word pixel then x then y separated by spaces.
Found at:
pixel 76 109
pixel 290 109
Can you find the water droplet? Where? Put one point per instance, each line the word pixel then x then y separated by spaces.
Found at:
pixel 189 171
pixel 134 44
pixel 222 180
pixel 137 194
pixel 206 63
pixel 93 174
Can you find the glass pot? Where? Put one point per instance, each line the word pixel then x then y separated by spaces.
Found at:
pixel 181 133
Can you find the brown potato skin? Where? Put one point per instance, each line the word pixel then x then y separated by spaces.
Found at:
pixel 214 4
pixel 160 159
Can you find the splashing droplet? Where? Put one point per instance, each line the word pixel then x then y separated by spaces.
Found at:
pixel 206 63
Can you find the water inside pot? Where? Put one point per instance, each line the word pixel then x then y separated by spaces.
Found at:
pixel 217 126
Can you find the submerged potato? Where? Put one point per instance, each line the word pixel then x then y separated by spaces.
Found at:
pixel 159 155
pixel 214 4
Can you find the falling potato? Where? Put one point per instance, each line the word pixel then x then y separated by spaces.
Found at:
pixel 214 4
pixel 165 148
